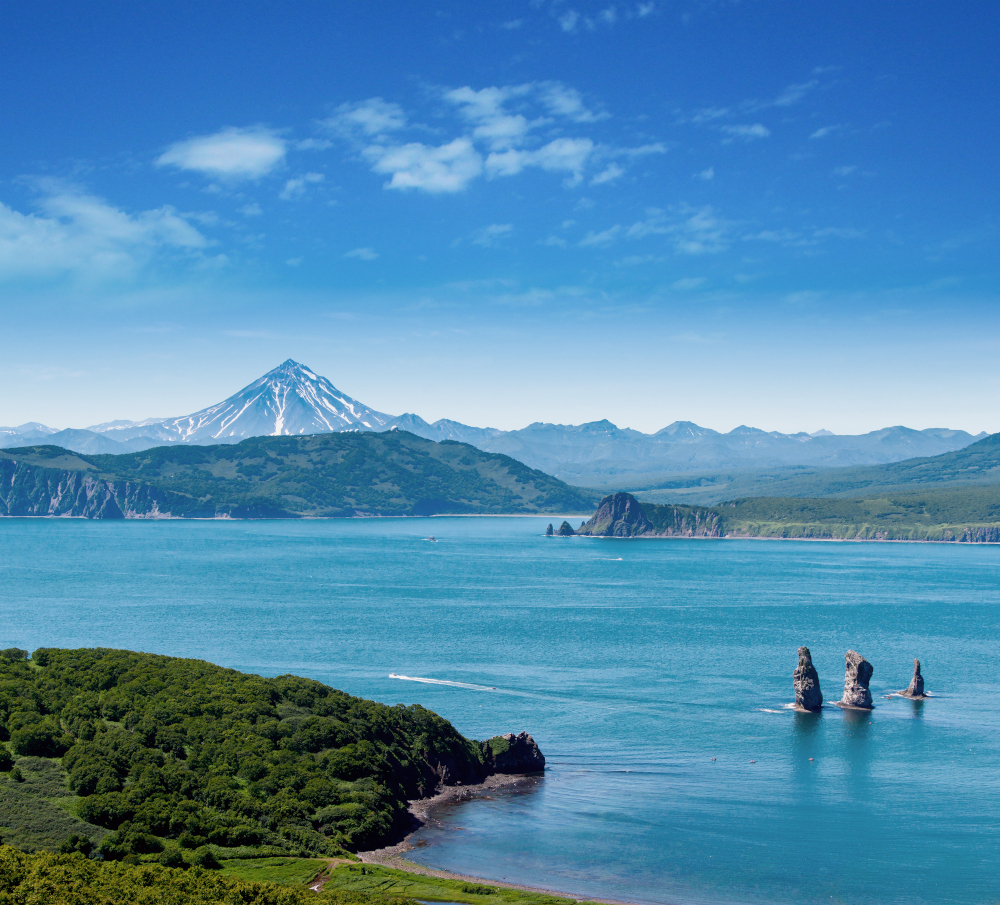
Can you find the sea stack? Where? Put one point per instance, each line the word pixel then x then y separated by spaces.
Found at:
pixel 916 687
pixel 548 531
pixel 856 678
pixel 565 530
pixel 806 681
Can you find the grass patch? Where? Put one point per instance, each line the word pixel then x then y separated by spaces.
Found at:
pixel 294 871
pixel 31 822
pixel 383 881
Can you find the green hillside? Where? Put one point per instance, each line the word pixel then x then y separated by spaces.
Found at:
pixel 185 763
pixel 338 475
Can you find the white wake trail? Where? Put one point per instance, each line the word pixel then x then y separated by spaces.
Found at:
pixel 393 675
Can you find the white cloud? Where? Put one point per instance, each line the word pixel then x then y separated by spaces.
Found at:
pixel 609 174
pixel 230 154
pixel 707 175
pixel 825 131
pixel 373 117
pixel 251 210
pixel 484 108
pixel 568 155
pixel 446 168
pixel 313 144
pixel 294 262
pixel 554 242
pixel 561 100
pixel 747 132
pixel 844 171
pixel 362 254
pixel 793 94
pixel 492 235
pixel 693 231
pixel 609 16
pixel 568 20
pixel 79 234
pixel 687 283
pixel 644 9
pixel 296 188
pixel 602 238
pixel 710 114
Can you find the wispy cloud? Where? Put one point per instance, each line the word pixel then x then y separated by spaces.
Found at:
pixel 747 132
pixel 609 174
pixel 230 154
pixel 844 171
pixel 296 188
pixel 601 238
pixel 493 235
pixel 371 118
pixel 706 175
pixel 362 254
pixel 692 231
pixel 75 233
pixel 825 131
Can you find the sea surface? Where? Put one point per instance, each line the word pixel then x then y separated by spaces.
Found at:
pixel 654 674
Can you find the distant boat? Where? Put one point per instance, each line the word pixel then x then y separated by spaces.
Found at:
pixel 432 538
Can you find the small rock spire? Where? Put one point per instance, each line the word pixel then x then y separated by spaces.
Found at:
pixel 857 674
pixel 916 686
pixel 806 681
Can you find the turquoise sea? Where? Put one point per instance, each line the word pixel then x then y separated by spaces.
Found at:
pixel 653 674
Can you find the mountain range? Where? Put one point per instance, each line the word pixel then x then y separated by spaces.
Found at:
pixel 294 400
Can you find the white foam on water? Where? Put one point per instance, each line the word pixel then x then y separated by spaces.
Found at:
pixel 393 675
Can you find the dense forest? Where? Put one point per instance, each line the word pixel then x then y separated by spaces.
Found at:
pixel 136 756
pixel 324 475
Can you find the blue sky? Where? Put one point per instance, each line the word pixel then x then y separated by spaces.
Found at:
pixel 770 213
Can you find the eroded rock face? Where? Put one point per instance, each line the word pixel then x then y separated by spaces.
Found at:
pixel 618 515
pixel 565 530
pixel 857 675
pixel 806 680
pixel 513 754
pixel 548 531
pixel 916 686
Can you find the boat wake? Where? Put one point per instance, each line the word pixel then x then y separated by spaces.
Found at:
pixel 468 685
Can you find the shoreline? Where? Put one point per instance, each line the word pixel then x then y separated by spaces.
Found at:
pixel 422 811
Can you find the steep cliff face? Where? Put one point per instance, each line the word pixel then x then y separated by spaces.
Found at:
pixel 29 490
pixel 618 515
pixel 622 515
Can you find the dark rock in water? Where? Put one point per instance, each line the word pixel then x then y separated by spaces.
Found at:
pixel 916 686
pixel 513 754
pixel 565 530
pixel 548 531
pixel 806 680
pixel 618 515
pixel 856 678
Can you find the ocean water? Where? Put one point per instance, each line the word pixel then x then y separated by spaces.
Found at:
pixel 653 674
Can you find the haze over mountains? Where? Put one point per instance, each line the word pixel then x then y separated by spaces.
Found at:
pixel 293 400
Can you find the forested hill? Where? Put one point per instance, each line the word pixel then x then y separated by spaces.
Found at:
pixel 137 754
pixel 324 475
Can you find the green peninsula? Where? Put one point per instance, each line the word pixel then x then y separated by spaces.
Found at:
pixel 323 475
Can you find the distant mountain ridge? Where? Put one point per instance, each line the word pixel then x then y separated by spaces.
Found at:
pixel 293 400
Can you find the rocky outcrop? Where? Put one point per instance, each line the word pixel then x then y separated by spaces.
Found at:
pixel 857 675
pixel 915 689
pixel 806 681
pixel 548 531
pixel 512 754
pixel 565 530
pixel 618 515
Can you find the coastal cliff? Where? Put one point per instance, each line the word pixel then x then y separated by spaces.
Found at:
pixel 622 515
pixel 935 516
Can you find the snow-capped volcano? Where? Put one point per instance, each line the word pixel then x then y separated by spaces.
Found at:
pixel 291 399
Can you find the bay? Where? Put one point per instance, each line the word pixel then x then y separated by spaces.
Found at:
pixel 654 675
